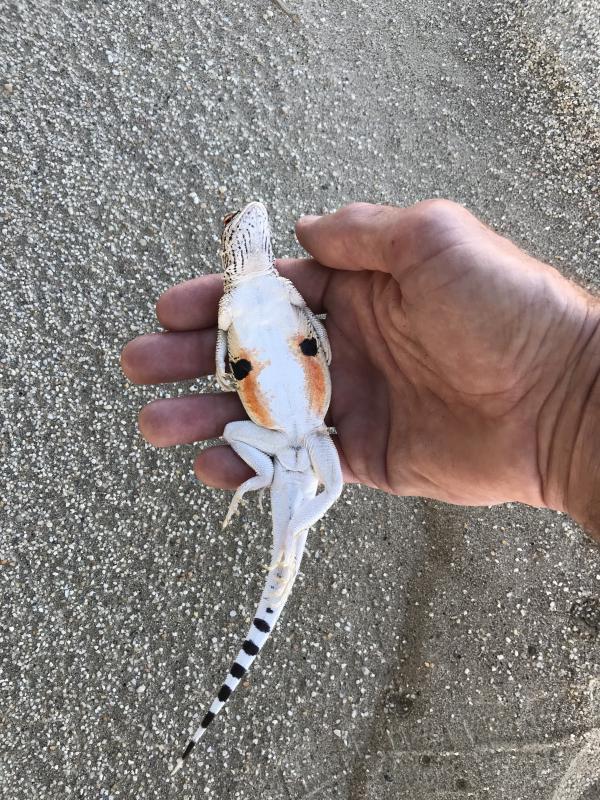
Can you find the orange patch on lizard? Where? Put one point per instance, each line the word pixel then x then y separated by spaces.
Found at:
pixel 315 372
pixel 251 394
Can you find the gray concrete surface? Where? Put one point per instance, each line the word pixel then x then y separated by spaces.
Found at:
pixel 429 651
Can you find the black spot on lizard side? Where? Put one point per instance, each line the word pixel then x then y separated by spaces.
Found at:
pixel 241 368
pixel 309 346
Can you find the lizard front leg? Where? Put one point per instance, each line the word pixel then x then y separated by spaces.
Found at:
pixel 225 380
pixel 312 320
pixel 255 445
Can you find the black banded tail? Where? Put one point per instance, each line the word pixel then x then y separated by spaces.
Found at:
pixel 267 615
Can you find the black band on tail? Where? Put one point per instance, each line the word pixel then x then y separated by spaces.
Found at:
pixel 250 648
pixel 224 692
pixel 208 718
pixel 188 749
pixel 237 670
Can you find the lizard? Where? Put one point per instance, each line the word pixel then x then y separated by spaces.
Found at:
pixel 275 353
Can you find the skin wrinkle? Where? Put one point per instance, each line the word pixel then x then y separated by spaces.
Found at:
pixel 426 478
pixel 375 293
pixel 425 398
pixel 452 401
pixel 386 455
pixel 397 378
pixel 450 389
pixel 560 381
pixel 583 406
pixel 427 225
pixel 396 444
pixel 512 388
pixel 350 212
pixel 525 339
pixel 344 418
pixel 418 267
pixel 428 218
pixel 326 289
pixel 581 418
pixel 539 417
pixel 362 474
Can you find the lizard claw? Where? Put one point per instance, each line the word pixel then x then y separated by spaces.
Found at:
pixel 232 510
pixel 282 562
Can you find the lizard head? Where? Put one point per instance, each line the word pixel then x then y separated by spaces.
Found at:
pixel 246 243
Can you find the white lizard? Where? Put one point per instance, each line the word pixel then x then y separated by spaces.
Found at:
pixel 278 354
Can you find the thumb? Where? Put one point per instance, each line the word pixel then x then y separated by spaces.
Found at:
pixel 358 236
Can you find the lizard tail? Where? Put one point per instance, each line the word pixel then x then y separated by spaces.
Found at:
pixel 280 579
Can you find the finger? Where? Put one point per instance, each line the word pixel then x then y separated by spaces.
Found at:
pixel 309 277
pixel 194 304
pixel 221 468
pixel 191 305
pixel 383 238
pixel 184 420
pixel 169 357
pixel 355 237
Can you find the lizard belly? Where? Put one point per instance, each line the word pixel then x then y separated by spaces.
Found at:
pixel 284 394
pixel 283 383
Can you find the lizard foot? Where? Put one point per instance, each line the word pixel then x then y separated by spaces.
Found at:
pixel 279 563
pixel 233 508
pixel 261 494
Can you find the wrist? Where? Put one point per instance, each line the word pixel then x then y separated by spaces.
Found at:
pixel 571 429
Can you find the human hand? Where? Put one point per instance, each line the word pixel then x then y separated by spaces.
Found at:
pixel 462 368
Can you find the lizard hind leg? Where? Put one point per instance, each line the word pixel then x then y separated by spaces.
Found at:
pixel 326 464
pixel 282 574
pixel 261 464
pixel 256 446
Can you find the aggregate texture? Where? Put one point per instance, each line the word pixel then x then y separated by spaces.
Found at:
pixel 428 652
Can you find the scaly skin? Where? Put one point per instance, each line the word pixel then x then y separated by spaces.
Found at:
pixel 274 352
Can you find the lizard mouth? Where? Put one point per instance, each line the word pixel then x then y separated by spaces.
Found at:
pixel 228 217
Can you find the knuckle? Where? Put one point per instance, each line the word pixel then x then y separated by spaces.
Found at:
pixel 438 211
pixel 354 211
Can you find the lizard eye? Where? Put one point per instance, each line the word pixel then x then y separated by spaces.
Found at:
pixel 241 368
pixel 309 346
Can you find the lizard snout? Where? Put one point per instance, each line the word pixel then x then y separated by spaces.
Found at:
pixel 228 217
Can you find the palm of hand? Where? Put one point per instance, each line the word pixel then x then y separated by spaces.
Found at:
pixel 447 343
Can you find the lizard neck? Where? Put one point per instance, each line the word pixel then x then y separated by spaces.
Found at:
pixel 246 250
pixel 232 278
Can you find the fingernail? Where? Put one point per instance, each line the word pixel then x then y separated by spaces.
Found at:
pixel 307 219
